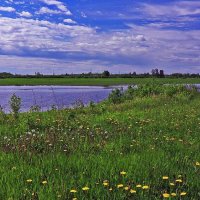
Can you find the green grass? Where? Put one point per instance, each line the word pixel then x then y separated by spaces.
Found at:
pixel 94 81
pixel 147 136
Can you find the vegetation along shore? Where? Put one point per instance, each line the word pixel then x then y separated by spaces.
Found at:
pixel 94 81
pixel 138 144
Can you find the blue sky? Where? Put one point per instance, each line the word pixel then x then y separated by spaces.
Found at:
pixel 75 36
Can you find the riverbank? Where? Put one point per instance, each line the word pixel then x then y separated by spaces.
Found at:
pixel 137 145
pixel 94 81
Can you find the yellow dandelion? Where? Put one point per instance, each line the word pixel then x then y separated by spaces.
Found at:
pixel 123 173
pixel 173 194
pixel 85 188
pixel 166 195
pixel 120 185
pixel 165 177
pixel 197 163
pixel 132 191
pixel 74 199
pixel 179 181
pixel 171 184
pixel 29 181
pixel 138 186
pixel 44 182
pixel 126 188
pixel 145 187
pixel 110 189
pixel 105 184
pixel 183 193
pixel 73 191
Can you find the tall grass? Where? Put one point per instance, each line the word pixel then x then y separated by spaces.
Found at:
pixel 145 146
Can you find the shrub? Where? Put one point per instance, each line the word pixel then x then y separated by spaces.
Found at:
pixel 91 104
pixel 3 116
pixel 35 108
pixel 116 96
pixel 54 107
pixel 78 104
pixel 15 105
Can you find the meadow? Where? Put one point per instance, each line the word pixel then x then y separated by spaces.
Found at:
pixel 95 81
pixel 140 144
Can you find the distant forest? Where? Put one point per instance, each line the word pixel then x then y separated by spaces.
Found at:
pixel 105 74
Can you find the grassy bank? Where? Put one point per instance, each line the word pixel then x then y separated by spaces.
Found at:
pixel 94 81
pixel 139 145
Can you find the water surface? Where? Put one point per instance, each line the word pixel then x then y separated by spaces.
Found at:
pixel 46 96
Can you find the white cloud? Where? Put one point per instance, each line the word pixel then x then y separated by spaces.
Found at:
pixel 7 9
pixel 180 8
pixel 15 35
pixel 69 21
pixel 59 5
pixel 45 10
pixel 25 14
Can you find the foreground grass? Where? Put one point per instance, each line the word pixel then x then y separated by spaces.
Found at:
pixel 94 81
pixel 143 148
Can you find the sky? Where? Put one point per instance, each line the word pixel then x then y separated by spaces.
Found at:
pixel 80 36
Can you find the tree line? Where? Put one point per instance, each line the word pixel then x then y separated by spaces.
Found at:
pixel 105 74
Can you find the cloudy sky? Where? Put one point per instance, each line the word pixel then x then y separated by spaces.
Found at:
pixel 75 36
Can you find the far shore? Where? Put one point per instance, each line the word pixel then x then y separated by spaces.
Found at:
pixel 93 81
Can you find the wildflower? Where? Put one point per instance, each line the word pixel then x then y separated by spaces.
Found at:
pixel 172 184
pixel 105 184
pixel 165 177
pixel 183 193
pixel 85 188
pixel 123 173
pixel 173 194
pixel 110 189
pixel 197 164
pixel 29 181
pixel 145 187
pixel 73 191
pixel 166 195
pixel 120 185
pixel 179 181
pixel 74 199
pixel 44 182
pixel 138 186
pixel 132 191
pixel 126 188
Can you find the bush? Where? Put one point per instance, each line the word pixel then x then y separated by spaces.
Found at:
pixel 3 115
pixel 15 105
pixel 116 96
pixel 35 108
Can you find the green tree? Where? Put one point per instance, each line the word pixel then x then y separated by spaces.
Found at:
pixel 106 74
